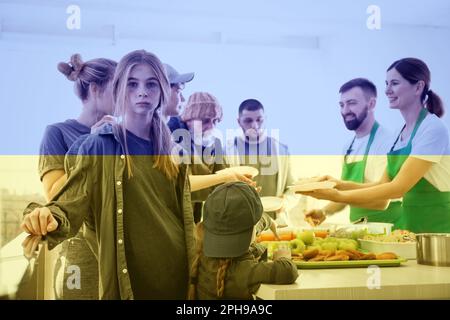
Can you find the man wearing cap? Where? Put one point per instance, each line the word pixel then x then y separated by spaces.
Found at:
pixel 364 155
pixel 227 266
pixel 177 83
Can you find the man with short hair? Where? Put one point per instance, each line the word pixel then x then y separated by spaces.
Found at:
pixel 365 155
pixel 265 153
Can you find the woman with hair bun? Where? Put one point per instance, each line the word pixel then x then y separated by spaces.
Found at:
pixel 93 85
pixel 418 164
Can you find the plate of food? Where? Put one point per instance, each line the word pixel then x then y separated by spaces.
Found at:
pixel 311 186
pixel 350 258
pixel 401 242
pixel 244 170
pixel 272 203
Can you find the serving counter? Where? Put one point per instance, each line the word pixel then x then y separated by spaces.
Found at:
pixel 408 281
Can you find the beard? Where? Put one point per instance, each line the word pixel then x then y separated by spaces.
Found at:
pixel 354 123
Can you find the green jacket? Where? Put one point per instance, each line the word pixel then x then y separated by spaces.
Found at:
pixel 244 276
pixel 246 273
pixel 94 192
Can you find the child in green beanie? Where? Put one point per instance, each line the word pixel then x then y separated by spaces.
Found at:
pixel 227 265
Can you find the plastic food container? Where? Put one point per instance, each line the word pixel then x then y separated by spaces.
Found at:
pixel 379 228
pixel 352 231
pixel 405 250
pixel 273 246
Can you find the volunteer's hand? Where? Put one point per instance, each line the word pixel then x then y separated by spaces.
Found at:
pixel 315 217
pixel 39 222
pixel 338 182
pixel 324 194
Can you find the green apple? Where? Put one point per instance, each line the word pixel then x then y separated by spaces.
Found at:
pixel 318 241
pixel 297 246
pixel 306 236
pixel 347 245
pixel 356 243
pixel 313 247
pixel 332 246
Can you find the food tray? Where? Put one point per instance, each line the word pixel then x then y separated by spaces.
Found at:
pixel 348 264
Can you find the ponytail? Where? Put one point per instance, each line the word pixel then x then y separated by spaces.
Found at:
pixel 192 286
pixel 222 267
pixel 434 104
pixel 221 274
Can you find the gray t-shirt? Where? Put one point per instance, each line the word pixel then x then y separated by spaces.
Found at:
pixel 57 140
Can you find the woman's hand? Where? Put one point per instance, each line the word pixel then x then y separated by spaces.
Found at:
pixel 39 222
pixel 324 194
pixel 339 183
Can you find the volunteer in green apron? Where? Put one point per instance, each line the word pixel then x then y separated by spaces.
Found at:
pixel 354 171
pixel 370 144
pixel 419 171
pixel 425 208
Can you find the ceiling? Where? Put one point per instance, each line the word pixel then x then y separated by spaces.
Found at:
pixel 197 20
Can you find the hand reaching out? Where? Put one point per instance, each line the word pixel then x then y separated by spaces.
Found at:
pixel 315 217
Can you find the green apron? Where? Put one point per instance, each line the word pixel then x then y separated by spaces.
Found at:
pixel 425 208
pixel 355 172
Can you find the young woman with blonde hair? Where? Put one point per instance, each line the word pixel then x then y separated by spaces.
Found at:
pixel 125 180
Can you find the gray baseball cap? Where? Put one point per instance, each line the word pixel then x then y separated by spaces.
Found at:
pixel 175 77
pixel 230 213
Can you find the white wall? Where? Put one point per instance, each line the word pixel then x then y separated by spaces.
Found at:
pixel 299 87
